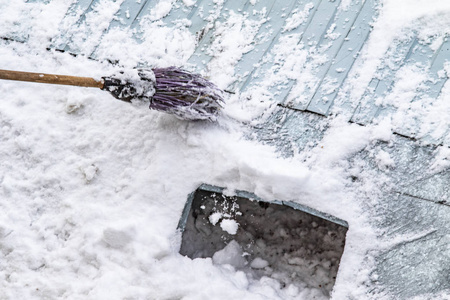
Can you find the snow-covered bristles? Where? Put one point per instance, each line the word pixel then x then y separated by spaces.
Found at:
pixel 172 90
pixel 186 95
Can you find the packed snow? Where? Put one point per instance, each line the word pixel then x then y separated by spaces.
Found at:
pixel 92 189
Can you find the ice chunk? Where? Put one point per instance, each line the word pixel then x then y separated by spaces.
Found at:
pixel 215 217
pixel 232 254
pixel 89 172
pixel 259 263
pixel 230 226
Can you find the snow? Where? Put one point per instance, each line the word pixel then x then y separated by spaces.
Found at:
pixel 116 238
pixel 161 10
pixel 236 37
pixel 215 217
pixel 92 188
pixel 230 226
pixel 384 160
pixel 398 20
pixel 298 17
pixel 259 263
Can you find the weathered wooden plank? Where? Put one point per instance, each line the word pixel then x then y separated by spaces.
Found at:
pixel 433 88
pixel 128 13
pixel 417 263
pixel 74 16
pixel 124 18
pixel 291 131
pixel 145 13
pixel 336 34
pixel 202 55
pixel 400 52
pixel 201 16
pixel 268 33
pixel 310 33
pixel 329 85
pixel 85 36
pixel 295 23
pixel 323 17
pixel 433 64
pixel 420 56
pixel 437 67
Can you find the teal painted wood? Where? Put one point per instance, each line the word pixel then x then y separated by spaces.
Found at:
pixel 71 45
pixel 128 13
pixel 349 30
pixel 275 30
pixel 38 1
pixel 433 63
pixel 292 131
pixel 329 85
pixel 202 55
pixel 337 32
pixel 313 38
pixel 144 11
pixel 378 88
pixel 200 15
pixel 420 56
pixel 269 32
pixel 433 89
pixel 72 19
pixel 125 18
pixel 311 33
pixel 266 63
pixel 366 108
pixel 437 66
pixel 318 25
pixel 180 11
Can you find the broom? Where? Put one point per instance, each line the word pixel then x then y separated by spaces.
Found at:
pixel 172 90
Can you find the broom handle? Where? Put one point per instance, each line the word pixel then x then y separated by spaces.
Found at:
pixel 51 78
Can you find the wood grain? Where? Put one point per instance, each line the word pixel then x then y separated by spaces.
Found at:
pixel 50 78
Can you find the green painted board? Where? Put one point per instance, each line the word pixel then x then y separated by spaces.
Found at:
pixel 330 83
pixel 378 88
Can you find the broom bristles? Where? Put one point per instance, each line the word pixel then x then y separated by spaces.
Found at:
pixel 187 95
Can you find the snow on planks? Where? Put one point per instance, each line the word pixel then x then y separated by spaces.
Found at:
pixel 379 100
pixel 328 34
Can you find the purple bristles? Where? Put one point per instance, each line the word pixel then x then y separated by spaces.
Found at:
pixel 172 90
pixel 187 95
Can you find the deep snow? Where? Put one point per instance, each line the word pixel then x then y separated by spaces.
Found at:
pixel 92 188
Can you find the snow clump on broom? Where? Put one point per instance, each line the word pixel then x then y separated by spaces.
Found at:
pixel 172 90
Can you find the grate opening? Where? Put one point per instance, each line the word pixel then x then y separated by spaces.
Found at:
pixel 291 243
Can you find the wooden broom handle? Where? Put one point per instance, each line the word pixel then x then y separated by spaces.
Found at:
pixel 51 78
